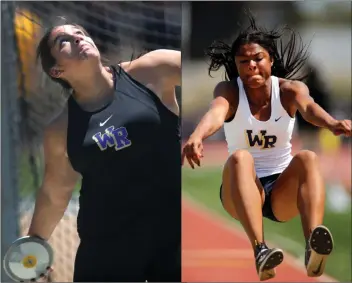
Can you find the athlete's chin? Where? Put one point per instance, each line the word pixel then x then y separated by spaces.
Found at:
pixel 90 55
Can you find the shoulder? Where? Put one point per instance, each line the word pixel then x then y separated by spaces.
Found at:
pixel 160 68
pixel 155 59
pixel 228 90
pixel 225 86
pixel 226 93
pixel 291 92
pixel 292 87
pixel 162 56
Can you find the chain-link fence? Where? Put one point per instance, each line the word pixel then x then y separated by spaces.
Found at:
pixel 29 99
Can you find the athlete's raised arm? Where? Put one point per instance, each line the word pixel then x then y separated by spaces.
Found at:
pixel 159 70
pixel 166 64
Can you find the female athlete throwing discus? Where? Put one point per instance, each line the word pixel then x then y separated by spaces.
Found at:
pixel 257 105
pixel 119 131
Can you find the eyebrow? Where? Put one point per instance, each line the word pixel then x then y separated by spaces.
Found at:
pixel 78 30
pixel 241 55
pixel 63 33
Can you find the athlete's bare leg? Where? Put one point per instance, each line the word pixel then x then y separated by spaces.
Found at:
pixel 300 190
pixel 243 198
pixel 242 194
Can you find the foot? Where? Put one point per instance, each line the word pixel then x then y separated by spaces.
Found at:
pixel 266 260
pixel 319 246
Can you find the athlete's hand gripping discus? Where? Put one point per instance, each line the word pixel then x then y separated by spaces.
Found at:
pixel 28 258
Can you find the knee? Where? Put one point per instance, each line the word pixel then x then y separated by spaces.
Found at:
pixel 240 157
pixel 306 156
pixel 306 159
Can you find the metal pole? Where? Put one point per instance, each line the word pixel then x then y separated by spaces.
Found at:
pixel 9 132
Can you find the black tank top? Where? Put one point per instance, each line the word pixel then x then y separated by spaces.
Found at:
pixel 128 154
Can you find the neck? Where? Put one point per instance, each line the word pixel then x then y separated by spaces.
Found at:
pixel 259 96
pixel 94 87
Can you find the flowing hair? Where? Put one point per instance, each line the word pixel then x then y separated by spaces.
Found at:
pixel 288 58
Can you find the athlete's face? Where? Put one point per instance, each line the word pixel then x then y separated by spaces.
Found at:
pixel 72 48
pixel 253 63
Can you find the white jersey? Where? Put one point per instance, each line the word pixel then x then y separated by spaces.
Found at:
pixel 269 142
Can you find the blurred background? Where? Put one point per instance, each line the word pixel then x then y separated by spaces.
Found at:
pixel 327 24
pixel 29 99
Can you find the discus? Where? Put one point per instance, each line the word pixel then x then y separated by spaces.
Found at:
pixel 28 258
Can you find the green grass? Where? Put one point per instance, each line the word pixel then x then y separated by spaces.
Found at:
pixel 203 186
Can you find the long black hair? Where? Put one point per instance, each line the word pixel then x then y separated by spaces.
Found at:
pixel 288 58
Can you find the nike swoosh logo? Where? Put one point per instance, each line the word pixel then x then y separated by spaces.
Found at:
pixel 102 124
pixel 277 119
pixel 316 272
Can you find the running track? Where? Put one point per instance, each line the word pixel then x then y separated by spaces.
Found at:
pixel 214 251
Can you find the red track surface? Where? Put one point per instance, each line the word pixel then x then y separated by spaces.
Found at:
pixel 215 252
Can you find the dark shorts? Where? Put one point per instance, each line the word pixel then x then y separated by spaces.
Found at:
pixel 268 184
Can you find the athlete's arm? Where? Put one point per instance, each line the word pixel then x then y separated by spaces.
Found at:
pixel 160 71
pixel 58 183
pixel 221 109
pixel 165 68
pixel 161 68
pixel 165 65
pixel 223 106
pixel 300 99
